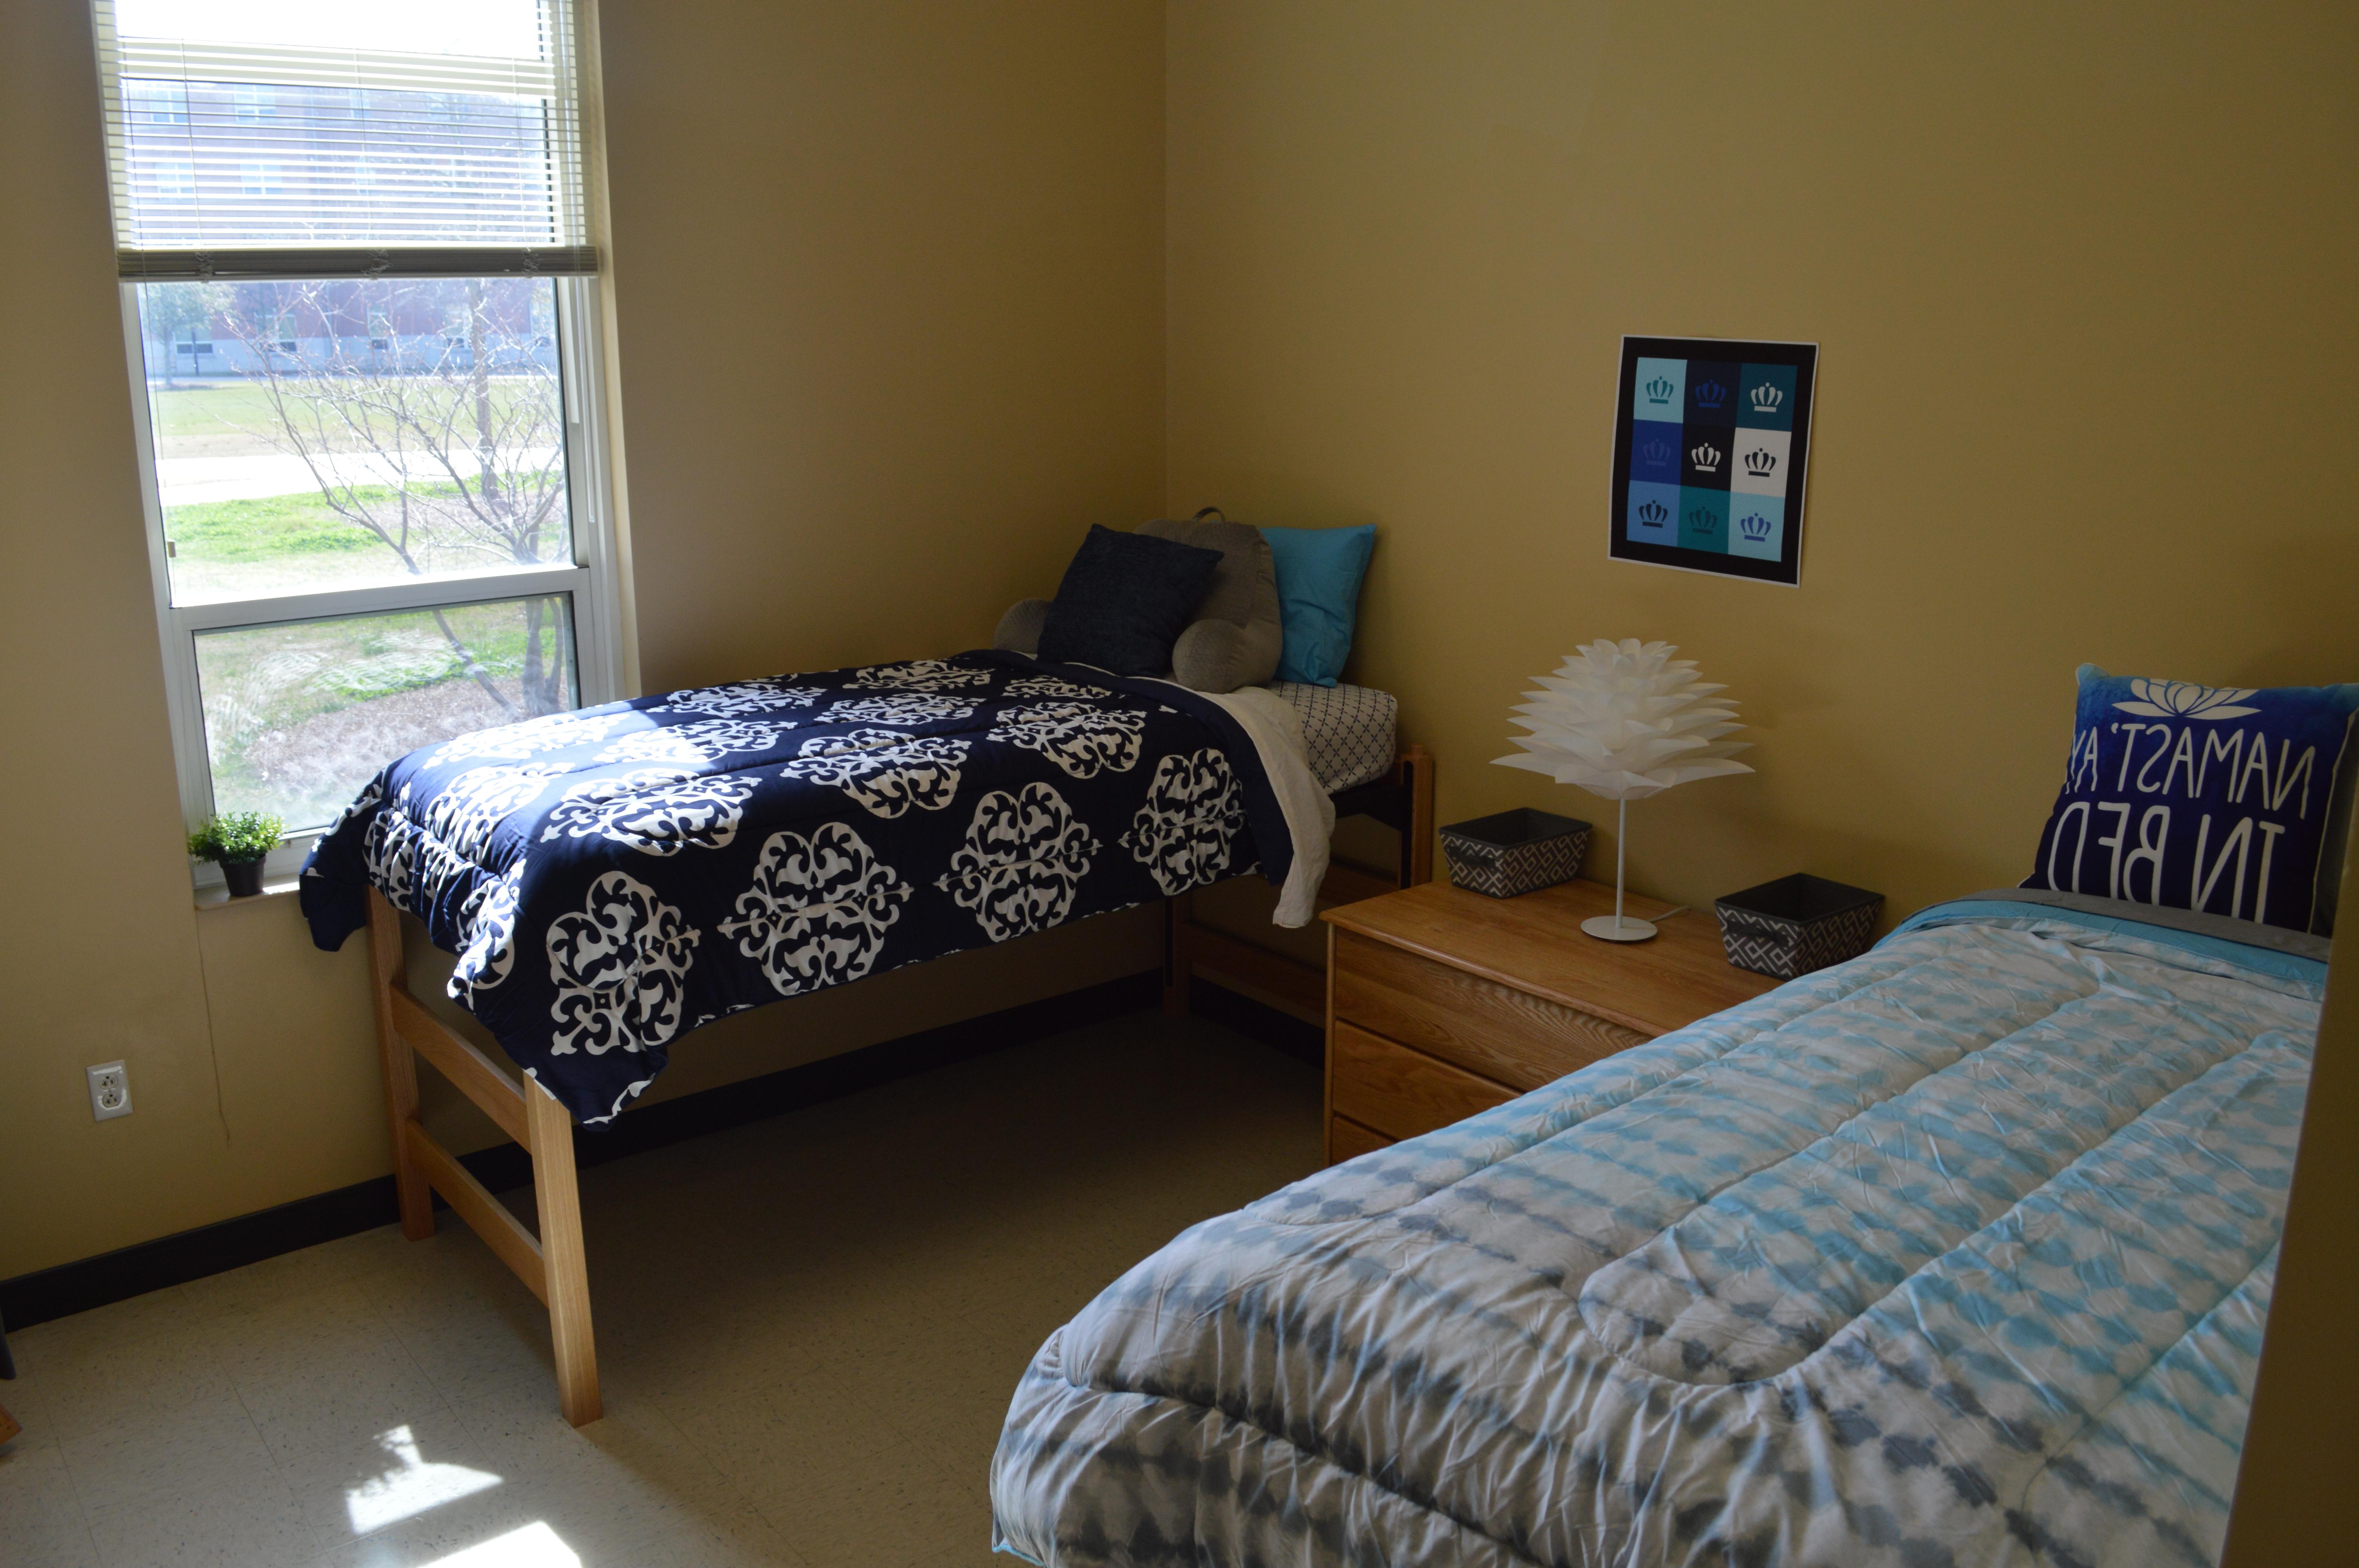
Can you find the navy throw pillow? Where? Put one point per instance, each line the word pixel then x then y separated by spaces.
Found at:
pixel 1125 600
pixel 2216 798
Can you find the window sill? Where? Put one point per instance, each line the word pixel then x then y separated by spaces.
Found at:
pixel 279 873
pixel 217 897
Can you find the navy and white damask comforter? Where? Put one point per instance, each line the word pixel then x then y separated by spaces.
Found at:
pixel 1955 1254
pixel 613 877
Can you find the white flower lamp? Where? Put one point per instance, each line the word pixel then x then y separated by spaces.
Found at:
pixel 1624 720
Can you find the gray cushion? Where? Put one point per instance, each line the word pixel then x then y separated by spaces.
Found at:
pixel 1019 629
pixel 1237 634
pixel 1216 656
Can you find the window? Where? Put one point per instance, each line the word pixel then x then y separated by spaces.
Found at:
pixel 158 102
pixel 362 311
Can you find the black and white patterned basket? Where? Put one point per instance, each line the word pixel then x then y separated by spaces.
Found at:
pixel 1516 851
pixel 1796 923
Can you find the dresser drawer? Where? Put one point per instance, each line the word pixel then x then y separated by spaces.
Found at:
pixel 1399 1092
pixel 1347 1139
pixel 1505 1036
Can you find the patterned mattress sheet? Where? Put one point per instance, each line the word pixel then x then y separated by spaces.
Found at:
pixel 614 877
pixel 1348 729
pixel 1956 1253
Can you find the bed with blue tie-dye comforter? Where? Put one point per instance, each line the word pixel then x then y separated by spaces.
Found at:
pixel 1955 1254
pixel 614 877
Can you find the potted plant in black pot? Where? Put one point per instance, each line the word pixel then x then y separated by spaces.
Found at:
pixel 238 842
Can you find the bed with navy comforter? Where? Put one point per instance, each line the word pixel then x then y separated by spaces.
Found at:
pixel 613 877
pixel 1958 1253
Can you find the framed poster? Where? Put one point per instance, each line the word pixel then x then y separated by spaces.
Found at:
pixel 1711 443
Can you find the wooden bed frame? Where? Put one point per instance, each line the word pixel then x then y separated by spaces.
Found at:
pixel 553 1264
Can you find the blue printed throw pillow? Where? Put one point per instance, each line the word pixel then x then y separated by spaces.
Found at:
pixel 2212 798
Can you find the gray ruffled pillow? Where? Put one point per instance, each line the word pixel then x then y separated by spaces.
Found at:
pixel 1238 633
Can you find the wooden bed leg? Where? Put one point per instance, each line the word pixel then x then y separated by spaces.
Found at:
pixel 386 974
pixel 1177 911
pixel 559 1198
pixel 554 1266
pixel 1417 851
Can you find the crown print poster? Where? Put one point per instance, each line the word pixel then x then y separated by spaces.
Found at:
pixel 1711 444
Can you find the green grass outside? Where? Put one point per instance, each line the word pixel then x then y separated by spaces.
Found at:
pixel 281 544
pixel 312 667
pixel 271 679
pixel 263 680
pixel 268 679
pixel 272 526
pixel 238 417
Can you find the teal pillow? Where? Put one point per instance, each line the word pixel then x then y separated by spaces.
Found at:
pixel 1319 573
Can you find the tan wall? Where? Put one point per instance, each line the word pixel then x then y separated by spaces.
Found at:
pixel 2080 276
pixel 886 362
pixel 890 335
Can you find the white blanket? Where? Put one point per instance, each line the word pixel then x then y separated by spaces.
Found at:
pixel 1275 730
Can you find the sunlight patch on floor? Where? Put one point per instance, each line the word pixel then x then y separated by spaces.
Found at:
pixel 534 1546
pixel 412 1486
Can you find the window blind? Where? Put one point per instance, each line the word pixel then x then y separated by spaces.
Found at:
pixel 263 138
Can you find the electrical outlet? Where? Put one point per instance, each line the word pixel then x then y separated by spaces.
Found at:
pixel 109 1091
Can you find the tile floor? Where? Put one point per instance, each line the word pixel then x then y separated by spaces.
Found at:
pixel 807 1329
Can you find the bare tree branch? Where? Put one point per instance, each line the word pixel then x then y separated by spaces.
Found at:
pixel 437 457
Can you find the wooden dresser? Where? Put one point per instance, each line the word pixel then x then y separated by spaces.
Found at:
pixel 1442 1003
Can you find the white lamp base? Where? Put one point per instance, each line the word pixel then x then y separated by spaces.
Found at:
pixel 1618 928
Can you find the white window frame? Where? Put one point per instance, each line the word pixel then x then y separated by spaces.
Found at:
pixel 590 580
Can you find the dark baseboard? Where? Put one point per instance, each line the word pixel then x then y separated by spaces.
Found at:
pixel 175 1260
pixel 229 1244
pixel 1279 1030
